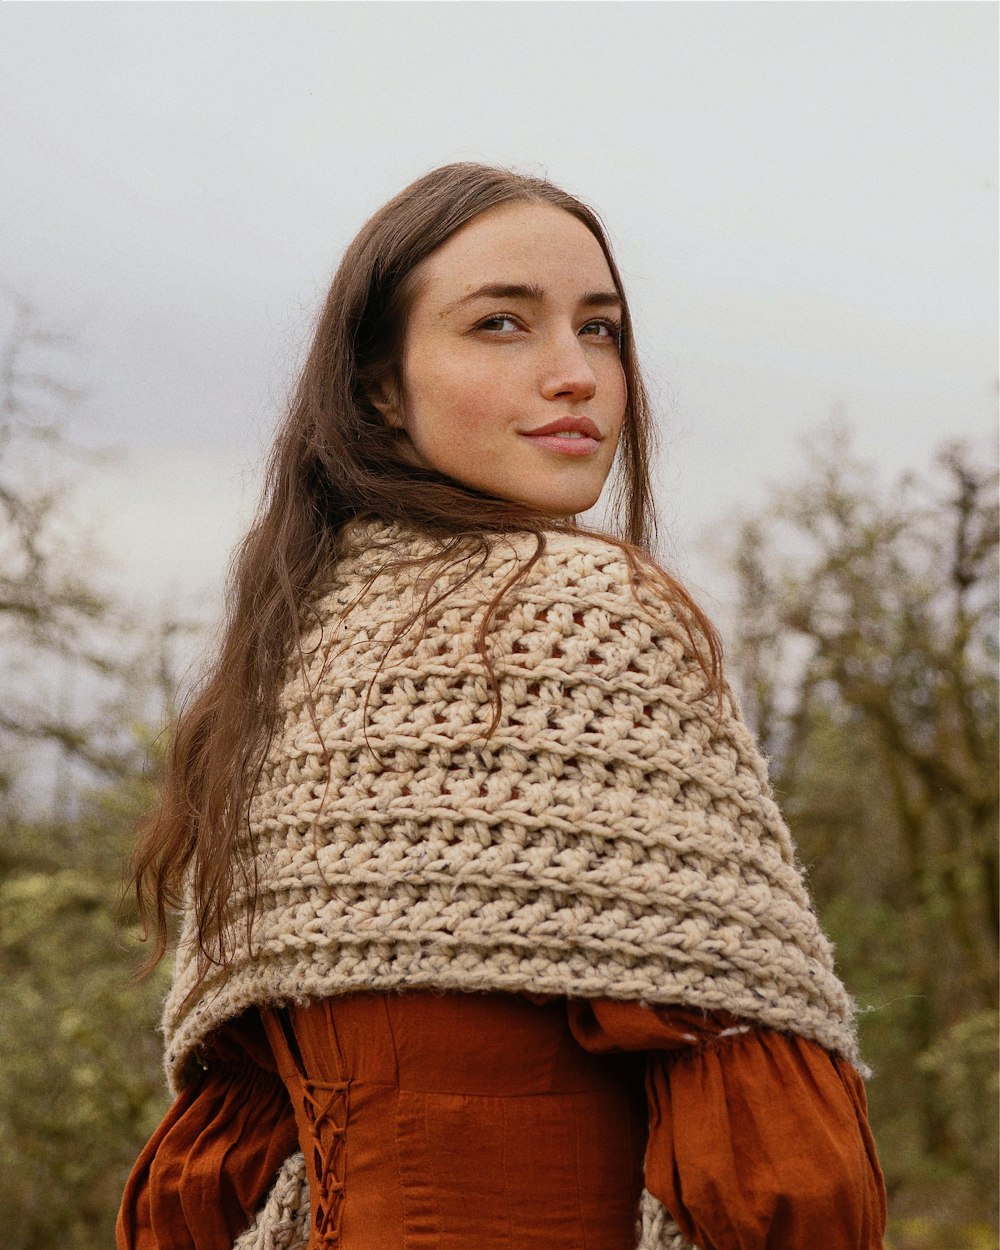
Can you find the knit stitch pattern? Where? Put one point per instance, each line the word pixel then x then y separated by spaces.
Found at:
pixel 282 1223
pixel 616 837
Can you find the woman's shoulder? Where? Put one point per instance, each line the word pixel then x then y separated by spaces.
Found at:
pixel 390 559
pixel 576 603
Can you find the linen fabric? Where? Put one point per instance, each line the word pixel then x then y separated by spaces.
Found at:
pixel 443 1122
pixel 615 838
pixel 213 1159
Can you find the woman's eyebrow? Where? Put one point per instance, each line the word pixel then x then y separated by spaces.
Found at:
pixel 530 291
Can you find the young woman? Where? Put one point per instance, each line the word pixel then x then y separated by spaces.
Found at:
pixel 492 933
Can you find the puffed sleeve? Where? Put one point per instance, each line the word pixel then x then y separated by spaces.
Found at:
pixel 210 1163
pixel 758 1140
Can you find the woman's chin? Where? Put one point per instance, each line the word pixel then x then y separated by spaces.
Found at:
pixel 562 502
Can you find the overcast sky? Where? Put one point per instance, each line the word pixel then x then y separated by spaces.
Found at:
pixel 802 197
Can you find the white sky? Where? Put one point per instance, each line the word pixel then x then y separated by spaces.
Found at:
pixel 802 196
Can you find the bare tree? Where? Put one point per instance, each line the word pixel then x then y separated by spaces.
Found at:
pixel 867 656
pixel 58 632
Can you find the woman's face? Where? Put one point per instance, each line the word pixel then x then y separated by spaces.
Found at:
pixel 515 325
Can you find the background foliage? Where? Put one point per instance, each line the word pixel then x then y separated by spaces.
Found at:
pixel 865 650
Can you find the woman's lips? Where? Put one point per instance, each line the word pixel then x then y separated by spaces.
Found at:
pixel 582 446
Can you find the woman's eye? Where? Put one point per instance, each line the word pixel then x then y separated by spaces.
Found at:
pixel 603 329
pixel 505 322
pixel 493 323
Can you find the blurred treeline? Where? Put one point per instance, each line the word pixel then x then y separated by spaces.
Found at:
pixel 866 653
pixel 865 650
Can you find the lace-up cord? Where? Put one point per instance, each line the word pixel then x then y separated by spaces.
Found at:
pixel 325 1107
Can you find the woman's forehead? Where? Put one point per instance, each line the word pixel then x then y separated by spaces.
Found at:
pixel 538 247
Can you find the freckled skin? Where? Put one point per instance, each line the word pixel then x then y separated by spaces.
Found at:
pixel 471 390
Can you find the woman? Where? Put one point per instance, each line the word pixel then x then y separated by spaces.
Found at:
pixel 492 932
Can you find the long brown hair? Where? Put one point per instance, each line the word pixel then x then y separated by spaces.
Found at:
pixel 335 458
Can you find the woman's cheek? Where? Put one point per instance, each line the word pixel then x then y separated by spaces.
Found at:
pixel 471 405
pixel 469 395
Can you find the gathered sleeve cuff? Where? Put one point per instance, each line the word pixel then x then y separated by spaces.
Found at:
pixel 758 1140
pixel 209 1165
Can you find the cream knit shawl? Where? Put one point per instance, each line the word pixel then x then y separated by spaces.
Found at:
pixel 616 836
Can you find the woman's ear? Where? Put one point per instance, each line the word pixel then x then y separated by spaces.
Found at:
pixel 384 396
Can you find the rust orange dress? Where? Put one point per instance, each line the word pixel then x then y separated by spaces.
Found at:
pixel 480 1121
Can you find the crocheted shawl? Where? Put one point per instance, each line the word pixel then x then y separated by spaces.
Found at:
pixel 615 837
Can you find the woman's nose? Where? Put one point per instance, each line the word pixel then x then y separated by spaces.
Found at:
pixel 566 371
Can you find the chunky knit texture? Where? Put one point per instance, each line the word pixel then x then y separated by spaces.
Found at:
pixel 282 1223
pixel 616 837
